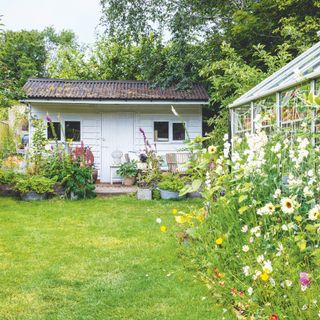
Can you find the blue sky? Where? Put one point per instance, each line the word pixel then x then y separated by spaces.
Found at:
pixel 81 16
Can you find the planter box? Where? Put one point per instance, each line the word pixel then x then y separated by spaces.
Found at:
pixel 144 194
pixel 7 191
pixel 33 196
pixel 167 195
pixel 193 195
pixel 58 190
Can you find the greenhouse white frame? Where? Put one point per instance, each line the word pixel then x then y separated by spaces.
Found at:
pixel 303 70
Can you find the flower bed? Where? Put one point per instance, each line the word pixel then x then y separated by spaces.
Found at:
pixel 256 240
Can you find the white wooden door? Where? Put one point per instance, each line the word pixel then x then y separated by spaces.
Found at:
pixel 117 134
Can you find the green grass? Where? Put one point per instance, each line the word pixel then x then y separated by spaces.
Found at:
pixel 95 259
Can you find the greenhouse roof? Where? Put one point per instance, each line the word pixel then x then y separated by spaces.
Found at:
pixel 304 67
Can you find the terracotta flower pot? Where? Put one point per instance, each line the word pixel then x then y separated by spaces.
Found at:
pixel 129 181
pixel 95 175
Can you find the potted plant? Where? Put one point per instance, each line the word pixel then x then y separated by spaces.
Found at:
pixel 33 187
pixel 170 186
pixel 7 178
pixel 192 188
pixel 147 180
pixel 128 171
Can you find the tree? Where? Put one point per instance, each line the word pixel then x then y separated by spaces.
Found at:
pixel 231 77
pixel 24 54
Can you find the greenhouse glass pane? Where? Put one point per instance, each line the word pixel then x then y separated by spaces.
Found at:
pixel 267 109
pixel 242 119
pixel 293 107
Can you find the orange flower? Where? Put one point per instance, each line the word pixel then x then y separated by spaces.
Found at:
pixel 274 317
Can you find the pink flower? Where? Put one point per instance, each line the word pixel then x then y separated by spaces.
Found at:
pixel 304 279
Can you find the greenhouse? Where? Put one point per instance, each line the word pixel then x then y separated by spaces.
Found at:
pixel 280 100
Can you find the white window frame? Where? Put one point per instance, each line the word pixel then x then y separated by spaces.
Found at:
pixel 185 130
pixel 61 136
pixel 170 128
pixel 63 123
pixel 68 120
pixel 162 140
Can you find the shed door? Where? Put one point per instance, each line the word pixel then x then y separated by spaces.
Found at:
pixel 117 134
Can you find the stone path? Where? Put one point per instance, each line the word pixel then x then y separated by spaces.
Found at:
pixel 106 189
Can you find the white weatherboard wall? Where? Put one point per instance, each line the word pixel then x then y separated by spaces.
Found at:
pixel 101 139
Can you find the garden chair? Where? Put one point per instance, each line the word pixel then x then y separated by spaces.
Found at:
pixel 176 161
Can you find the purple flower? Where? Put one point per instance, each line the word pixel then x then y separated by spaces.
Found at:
pixel 143 133
pixel 49 119
pixel 304 279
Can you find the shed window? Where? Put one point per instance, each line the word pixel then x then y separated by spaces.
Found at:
pixel 72 130
pixel 54 130
pixel 178 131
pixel 161 131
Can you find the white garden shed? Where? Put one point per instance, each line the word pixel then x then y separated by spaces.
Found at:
pixel 278 98
pixel 107 115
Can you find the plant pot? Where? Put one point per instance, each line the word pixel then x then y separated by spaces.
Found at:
pixel 33 196
pixel 7 191
pixel 144 194
pixel 167 195
pixel 193 195
pixel 129 181
pixel 95 175
pixel 58 189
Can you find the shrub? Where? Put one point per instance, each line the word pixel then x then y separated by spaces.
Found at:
pixel 38 184
pixel 73 170
pixel 258 246
pixel 7 176
pixel 79 181
pixel 171 182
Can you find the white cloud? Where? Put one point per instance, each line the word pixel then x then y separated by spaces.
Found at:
pixel 81 16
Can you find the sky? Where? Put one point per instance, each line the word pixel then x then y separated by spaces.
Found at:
pixel 81 16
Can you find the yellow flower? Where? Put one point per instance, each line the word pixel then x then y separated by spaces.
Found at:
pixel 163 229
pixel 174 211
pixel 219 241
pixel 264 276
pixel 181 219
pixel 212 149
pixel 200 217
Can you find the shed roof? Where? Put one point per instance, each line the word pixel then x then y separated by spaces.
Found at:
pixel 52 89
pixel 305 66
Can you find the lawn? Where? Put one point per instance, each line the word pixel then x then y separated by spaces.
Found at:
pixel 95 259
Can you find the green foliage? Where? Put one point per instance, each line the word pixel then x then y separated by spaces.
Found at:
pixel 128 169
pixel 171 182
pixel 261 213
pixel 24 54
pixel 38 184
pixel 79 181
pixel 156 195
pixel 74 173
pixel 7 144
pixel 7 177
pixel 231 76
pixel 37 151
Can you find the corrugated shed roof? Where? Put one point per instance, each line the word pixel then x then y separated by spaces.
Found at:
pixel 108 90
